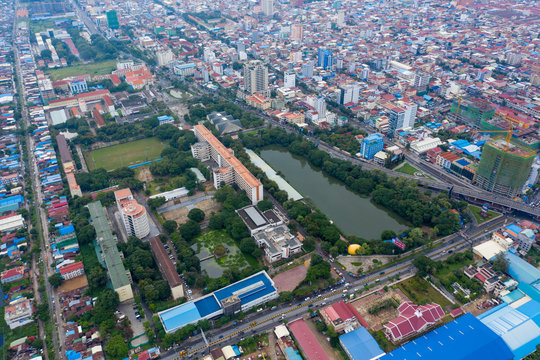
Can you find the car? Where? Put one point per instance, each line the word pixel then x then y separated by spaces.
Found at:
pixel 310 305
pixel 307 299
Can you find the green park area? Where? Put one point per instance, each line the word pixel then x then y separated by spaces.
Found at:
pixel 419 291
pixel 479 216
pixel 407 168
pixel 226 254
pixel 131 153
pixel 96 68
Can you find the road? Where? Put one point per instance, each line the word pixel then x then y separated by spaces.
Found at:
pixel 269 318
pixel 54 309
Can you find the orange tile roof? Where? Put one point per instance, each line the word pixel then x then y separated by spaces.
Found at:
pixel 122 194
pixel 228 156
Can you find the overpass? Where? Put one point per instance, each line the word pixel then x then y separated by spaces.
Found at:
pixel 470 193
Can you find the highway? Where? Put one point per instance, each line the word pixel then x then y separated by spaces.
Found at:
pixel 269 318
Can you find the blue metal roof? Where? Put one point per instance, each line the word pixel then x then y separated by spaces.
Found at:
pixel 360 345
pixel 521 270
pixel 180 316
pixel 464 338
pixel 252 292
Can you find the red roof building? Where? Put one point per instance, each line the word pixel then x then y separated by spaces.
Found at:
pixel 339 315
pixel 307 340
pixel 412 319
pixel 72 270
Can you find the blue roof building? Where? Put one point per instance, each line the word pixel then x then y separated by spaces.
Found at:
pixel 371 145
pixel 242 295
pixel 521 270
pixel 360 345
pixel 515 326
pixel 462 339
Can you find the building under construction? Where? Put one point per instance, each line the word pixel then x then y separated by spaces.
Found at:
pixel 503 170
pixel 472 111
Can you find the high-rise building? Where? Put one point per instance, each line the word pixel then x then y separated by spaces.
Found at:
pixel 473 111
pixel 256 77
pixel 339 62
pixel 267 7
pixel 364 72
pixel 325 59
pixel 349 93
pixel 503 171
pixel 241 46
pixel 307 69
pixel 396 118
pixel 340 22
pixel 133 214
pixel 410 108
pixel 112 19
pixel 371 145
pixel 421 80
pixel 289 79
pixel 164 57
pixel 320 106
pixel 297 32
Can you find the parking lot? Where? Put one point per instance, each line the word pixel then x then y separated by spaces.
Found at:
pixel 129 309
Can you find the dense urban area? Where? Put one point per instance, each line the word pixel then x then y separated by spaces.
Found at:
pixel 269 179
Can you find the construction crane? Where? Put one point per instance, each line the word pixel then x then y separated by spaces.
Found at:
pixel 508 132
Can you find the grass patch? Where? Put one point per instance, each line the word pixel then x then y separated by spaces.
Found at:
pixel 97 68
pixel 407 168
pixel 420 291
pixel 477 213
pixel 130 153
pixel 42 25
pixel 356 264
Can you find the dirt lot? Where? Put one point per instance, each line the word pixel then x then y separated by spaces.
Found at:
pixel 145 175
pixel 376 321
pixel 180 215
pixel 72 284
pixel 357 262
pixel 472 306
pixel 288 280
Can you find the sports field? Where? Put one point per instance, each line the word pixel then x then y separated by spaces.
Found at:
pixel 97 68
pixel 116 156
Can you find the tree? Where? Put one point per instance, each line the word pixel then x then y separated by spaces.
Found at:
pixel 248 245
pixel 265 204
pixel 425 265
pixel 86 234
pixel 170 226
pixel 190 230
pixel 309 244
pixel 117 348
pixel 156 202
pixel 55 280
pixel 500 263
pixel 196 215
pixel 97 278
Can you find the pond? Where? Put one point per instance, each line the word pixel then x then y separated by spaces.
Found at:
pixel 354 214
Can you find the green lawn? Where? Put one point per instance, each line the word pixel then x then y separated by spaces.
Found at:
pixel 420 291
pixel 97 68
pixel 477 212
pixel 42 25
pixel 131 153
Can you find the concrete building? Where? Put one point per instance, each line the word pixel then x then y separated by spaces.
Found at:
pixel 267 7
pixel 11 275
pixel 108 254
pixel 371 145
pixel 289 79
pixel 349 93
pixel 341 316
pixel 297 32
pixel 133 214
pixel 256 78
pixel 164 57
pixel 229 169
pixel 77 87
pixel 360 345
pixel 503 170
pixel 167 268
pixel 421 80
pixel 71 271
pixel 185 69
pixel 422 146
pixel 18 313
pixel 307 69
